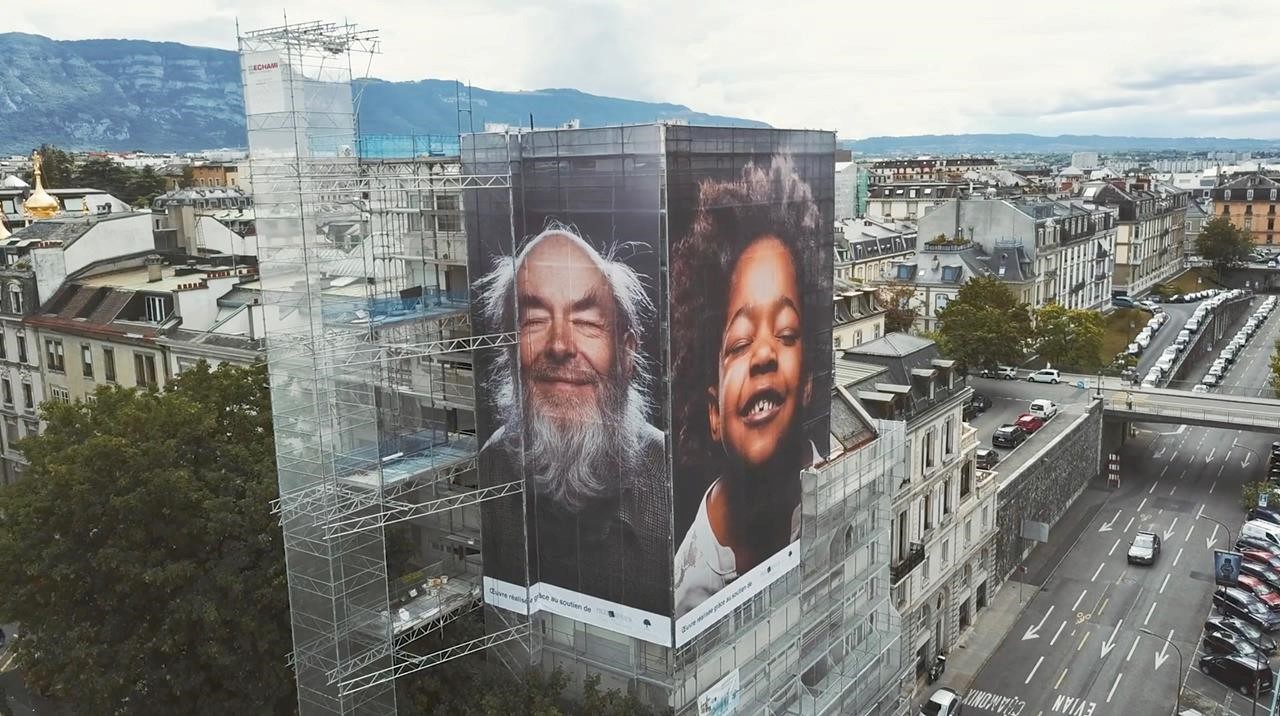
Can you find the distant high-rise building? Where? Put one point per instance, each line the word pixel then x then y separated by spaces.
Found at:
pixel 1085 160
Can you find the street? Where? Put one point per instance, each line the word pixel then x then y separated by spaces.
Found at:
pixel 1077 648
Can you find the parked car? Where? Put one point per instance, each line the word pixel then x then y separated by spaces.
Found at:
pixel 1257 543
pixel 1200 388
pixel 943 702
pixel 1266 514
pixel 1270 559
pixel 1255 586
pixel 1262 573
pixel 1004 372
pixel 1123 302
pixel 986 458
pixel 1042 408
pixel 1046 375
pixel 1243 673
pixel 1145 548
pixel 1222 641
pixel 1264 643
pixel 1236 602
pixel 1029 423
pixel 1008 436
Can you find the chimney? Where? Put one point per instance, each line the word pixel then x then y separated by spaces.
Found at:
pixel 153 264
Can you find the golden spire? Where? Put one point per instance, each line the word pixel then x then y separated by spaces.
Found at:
pixel 39 205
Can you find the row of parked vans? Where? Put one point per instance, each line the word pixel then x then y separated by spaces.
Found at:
pixel 1233 349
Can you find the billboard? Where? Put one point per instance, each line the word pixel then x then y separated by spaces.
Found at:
pixel 750 221
pixel 1226 568
pixel 670 288
pixel 571 262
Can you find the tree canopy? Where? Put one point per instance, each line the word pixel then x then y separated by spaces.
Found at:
pixel 135 187
pixel 141 558
pixel 1070 339
pixel 897 300
pixel 1275 369
pixel 984 325
pixel 1222 244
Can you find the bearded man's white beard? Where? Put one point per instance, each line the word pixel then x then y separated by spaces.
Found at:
pixel 577 461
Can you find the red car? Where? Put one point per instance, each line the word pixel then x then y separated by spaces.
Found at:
pixel 1261 557
pixel 1029 423
pixel 1261 591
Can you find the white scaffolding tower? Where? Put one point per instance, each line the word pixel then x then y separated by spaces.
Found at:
pixel 369 345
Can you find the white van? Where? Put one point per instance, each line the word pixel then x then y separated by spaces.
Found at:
pixel 1193 324
pixel 1259 529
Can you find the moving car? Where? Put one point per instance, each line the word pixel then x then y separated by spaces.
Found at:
pixel 1144 548
pixel 1049 375
pixel 1029 423
pixel 1009 436
pixel 943 702
pixel 1236 602
pixel 1264 643
pixel 1044 409
pixel 986 458
pixel 1242 673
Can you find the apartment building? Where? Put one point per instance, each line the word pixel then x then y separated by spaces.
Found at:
pixel 908 201
pixel 1151 230
pixel 1249 202
pixel 927 170
pixel 867 248
pixel 943 517
pixel 858 315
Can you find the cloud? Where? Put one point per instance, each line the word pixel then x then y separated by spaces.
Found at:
pixel 860 68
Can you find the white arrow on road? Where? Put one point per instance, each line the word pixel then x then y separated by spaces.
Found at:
pixel 1163 655
pixel 1106 527
pixel 1209 457
pixel 1110 643
pixel 1208 541
pixel 1034 632
pixel 1169 532
pixel 1245 461
pixel 1157 455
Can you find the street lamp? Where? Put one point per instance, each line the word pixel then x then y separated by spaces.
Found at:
pixel 1201 515
pixel 1177 698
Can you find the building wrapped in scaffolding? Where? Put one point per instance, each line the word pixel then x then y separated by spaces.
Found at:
pixel 379 353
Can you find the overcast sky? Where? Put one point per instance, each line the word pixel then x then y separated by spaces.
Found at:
pixel 1150 68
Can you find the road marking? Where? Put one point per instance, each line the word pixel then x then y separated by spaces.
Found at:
pixel 1153 487
pixel 1211 454
pixel 1141 505
pixel 1208 542
pixel 1166 469
pixel 1033 670
pixel 1083 640
pixel 1112 692
pixel 1175 456
pixel 1061 626
pixel 1215 484
pixel 1078 600
pixel 1113 548
pixel 1173 489
pixel 1097 571
pixel 1130 523
pixel 1110 643
pixel 1150 611
pixel 1061 676
pixel 1188 537
pixel 1177 557
pixel 1169 532
pixel 1164 584
pixel 1135 646
pixel 1163 654
pixel 1033 632
pixel 1103 607
pixel 1220 469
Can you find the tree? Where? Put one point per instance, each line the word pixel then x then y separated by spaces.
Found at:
pixel 140 557
pixel 1275 369
pixel 1250 492
pixel 984 325
pixel 898 301
pixel 1222 244
pixel 57 167
pixel 1070 339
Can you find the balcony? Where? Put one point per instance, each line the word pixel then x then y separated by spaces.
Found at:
pixel 968 439
pixel 913 558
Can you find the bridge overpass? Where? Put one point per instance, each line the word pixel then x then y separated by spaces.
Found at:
pixel 1163 405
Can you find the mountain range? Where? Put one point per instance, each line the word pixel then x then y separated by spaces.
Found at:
pixel 1037 144
pixel 163 96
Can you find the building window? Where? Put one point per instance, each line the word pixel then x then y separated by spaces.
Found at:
pixel 28 396
pixel 966 479
pixel 1248 195
pixel 1226 194
pixel 7 388
pixel 927 520
pixel 53 355
pixel 15 299
pixel 946 497
pixel 948 437
pixel 157 311
pixel 109 364
pixel 144 370
pixel 4 344
pixel 11 432
pixel 929 439
pixel 946 552
pixel 86 360
pixel 60 394
pixel 22 348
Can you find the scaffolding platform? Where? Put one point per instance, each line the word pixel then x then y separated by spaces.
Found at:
pixel 398 468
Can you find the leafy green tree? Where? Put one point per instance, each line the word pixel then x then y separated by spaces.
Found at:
pixel 139 554
pixel 144 186
pixel 1069 339
pixel 57 166
pixel 1275 369
pixel 1222 244
pixel 898 302
pixel 1251 490
pixel 984 325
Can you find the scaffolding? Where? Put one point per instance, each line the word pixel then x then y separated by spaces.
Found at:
pixel 364 285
